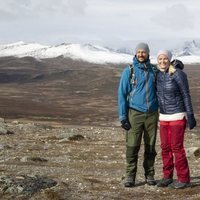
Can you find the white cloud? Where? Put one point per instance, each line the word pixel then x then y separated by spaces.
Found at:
pixel 36 8
pixel 176 17
pixel 107 22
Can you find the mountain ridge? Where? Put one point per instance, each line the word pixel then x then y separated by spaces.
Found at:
pixel 188 52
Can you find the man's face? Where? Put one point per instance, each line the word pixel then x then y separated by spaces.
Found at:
pixel 141 55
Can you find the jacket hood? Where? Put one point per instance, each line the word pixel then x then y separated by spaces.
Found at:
pixel 177 64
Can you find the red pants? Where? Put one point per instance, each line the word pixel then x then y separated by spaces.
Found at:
pixel 172 138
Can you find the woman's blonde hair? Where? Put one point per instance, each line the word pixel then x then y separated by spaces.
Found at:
pixel 172 69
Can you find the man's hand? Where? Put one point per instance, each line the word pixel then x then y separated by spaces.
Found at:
pixel 125 124
pixel 191 121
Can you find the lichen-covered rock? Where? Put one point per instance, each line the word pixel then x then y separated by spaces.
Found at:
pixel 25 184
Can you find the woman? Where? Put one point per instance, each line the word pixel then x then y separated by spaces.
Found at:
pixel 175 106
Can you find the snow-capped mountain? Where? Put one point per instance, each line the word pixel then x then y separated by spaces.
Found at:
pixel 85 52
pixel 130 51
pixel 188 52
pixel 187 49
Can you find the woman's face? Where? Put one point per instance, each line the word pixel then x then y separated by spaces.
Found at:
pixel 163 62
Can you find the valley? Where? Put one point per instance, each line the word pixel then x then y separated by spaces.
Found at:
pixel 62 122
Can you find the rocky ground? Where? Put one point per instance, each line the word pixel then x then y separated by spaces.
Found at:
pixel 59 162
pixel 60 138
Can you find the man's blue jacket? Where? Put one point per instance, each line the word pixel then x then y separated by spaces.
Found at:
pixel 138 93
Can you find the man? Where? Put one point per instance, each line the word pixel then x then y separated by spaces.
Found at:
pixel 138 113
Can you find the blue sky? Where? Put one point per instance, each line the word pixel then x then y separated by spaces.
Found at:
pixel 113 23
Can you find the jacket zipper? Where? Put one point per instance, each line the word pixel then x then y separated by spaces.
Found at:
pixel 146 84
pixel 164 90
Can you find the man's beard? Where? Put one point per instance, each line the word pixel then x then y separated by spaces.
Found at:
pixel 145 60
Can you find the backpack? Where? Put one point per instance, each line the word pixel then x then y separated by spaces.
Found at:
pixel 132 74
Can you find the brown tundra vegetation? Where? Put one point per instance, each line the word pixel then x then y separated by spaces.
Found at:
pixel 60 137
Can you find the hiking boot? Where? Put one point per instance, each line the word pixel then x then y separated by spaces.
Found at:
pixel 150 180
pixel 164 182
pixel 179 185
pixel 129 182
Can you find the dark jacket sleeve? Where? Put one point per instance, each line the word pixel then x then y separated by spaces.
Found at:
pixel 182 81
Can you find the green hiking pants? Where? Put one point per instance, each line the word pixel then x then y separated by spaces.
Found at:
pixel 143 124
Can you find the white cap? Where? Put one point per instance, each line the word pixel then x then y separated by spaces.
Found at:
pixel 166 53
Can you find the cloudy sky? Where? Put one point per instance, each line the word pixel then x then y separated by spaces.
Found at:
pixel 105 22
